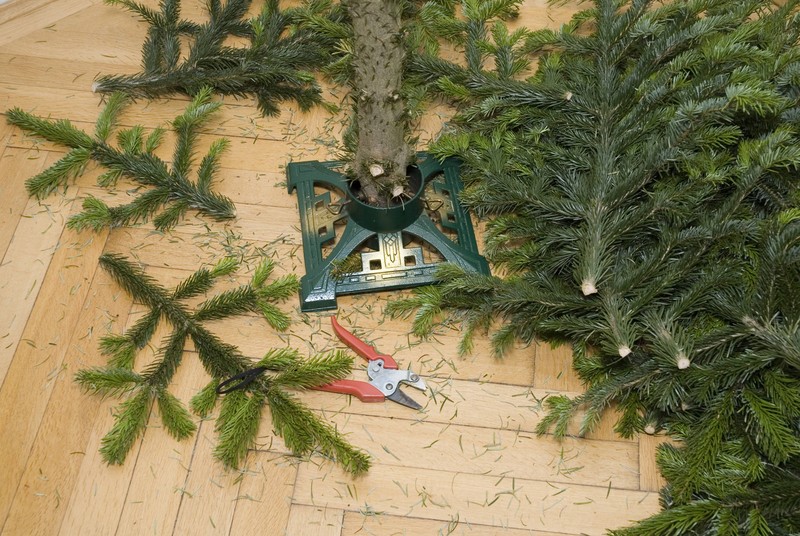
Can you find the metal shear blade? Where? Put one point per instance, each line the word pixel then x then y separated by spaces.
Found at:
pixel 401 398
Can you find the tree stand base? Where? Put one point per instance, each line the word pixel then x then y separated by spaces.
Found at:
pixel 387 264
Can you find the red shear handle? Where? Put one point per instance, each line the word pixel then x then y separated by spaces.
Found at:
pixel 360 347
pixel 364 391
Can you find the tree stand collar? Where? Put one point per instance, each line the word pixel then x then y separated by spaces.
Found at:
pixel 390 265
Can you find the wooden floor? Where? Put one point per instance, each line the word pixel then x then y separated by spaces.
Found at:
pixel 469 463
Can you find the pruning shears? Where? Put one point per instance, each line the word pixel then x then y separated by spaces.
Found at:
pixel 383 373
pixel 384 376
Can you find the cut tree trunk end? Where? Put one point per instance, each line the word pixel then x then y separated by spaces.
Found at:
pixel 383 153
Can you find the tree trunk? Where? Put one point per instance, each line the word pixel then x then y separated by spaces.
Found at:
pixel 382 154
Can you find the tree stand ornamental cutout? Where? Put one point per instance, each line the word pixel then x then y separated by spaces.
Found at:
pixel 383 231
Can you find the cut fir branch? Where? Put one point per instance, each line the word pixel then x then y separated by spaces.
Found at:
pixel 240 417
pixel 303 432
pixel 170 192
pixel 276 65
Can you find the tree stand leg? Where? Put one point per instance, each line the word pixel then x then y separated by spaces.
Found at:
pixel 392 265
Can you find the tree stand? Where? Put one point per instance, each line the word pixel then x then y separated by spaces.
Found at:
pixel 385 232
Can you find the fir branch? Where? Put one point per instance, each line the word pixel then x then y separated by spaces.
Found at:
pixel 237 426
pixel 171 187
pixel 60 131
pixel 303 431
pixel 96 215
pixel 280 359
pixel 107 120
pixel 239 419
pixel 313 372
pixel 176 419
pixel 108 382
pixel 120 349
pixel 274 68
pixel 203 403
pixel 129 425
pixel 59 174
pixel 220 359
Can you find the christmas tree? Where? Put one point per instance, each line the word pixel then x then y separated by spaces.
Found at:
pixel 642 200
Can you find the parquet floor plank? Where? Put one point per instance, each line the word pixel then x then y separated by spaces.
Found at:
pixel 382 524
pixel 38 361
pixel 25 263
pixel 159 482
pixel 264 503
pixel 307 520
pixel 16 165
pixel 485 500
pixel 61 443
pixel 20 18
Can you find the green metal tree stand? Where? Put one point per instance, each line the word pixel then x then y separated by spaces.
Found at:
pixel 389 265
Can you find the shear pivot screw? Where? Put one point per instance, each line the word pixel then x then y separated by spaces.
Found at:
pixel 389 386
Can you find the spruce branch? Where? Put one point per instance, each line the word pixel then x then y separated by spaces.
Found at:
pixel 276 66
pixel 177 420
pixel 130 422
pixel 237 426
pixel 303 432
pixel 171 193
pixel 203 403
pixel 240 416
pixel 313 372
pixel 109 381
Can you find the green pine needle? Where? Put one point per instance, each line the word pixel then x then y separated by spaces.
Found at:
pixel 316 371
pixel 262 272
pixel 280 359
pixel 108 382
pixel 107 120
pixel 174 415
pixel 205 400
pixel 281 289
pixel 237 426
pixel 60 131
pixel 275 67
pixel 560 412
pixel 129 425
pixel 96 215
pixel 279 320
pixel 120 349
pixel 303 432
pixel 59 174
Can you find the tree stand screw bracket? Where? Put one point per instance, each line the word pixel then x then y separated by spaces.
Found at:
pixel 392 266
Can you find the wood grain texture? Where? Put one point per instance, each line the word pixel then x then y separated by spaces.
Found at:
pixel 307 520
pixel 470 463
pixel 38 361
pixel 25 264
pixel 61 443
pixel 21 17
pixel 382 524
